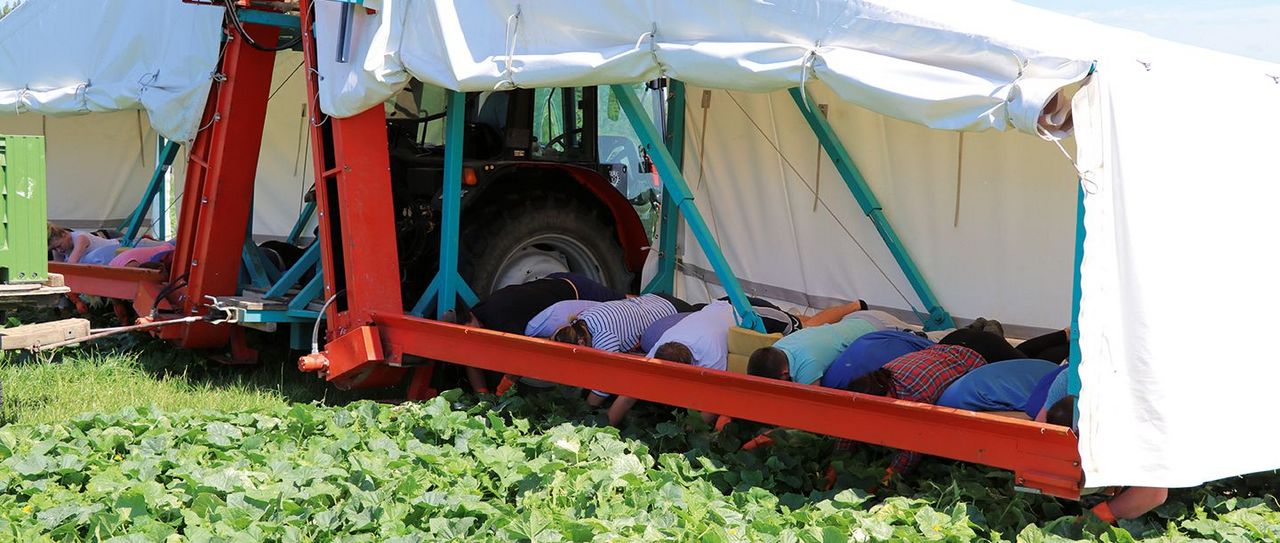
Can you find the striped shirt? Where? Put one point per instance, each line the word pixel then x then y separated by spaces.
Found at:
pixel 617 326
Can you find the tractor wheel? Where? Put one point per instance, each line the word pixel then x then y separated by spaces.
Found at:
pixel 525 239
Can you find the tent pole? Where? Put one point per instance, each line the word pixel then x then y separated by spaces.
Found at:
pixel 447 285
pixel 133 224
pixel 938 317
pixel 1073 362
pixel 664 280
pixel 673 183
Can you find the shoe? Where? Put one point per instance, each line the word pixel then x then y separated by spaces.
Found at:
pixel 994 327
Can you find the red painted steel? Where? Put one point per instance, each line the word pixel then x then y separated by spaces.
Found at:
pixel 106 281
pixel 357 220
pixel 1043 457
pixel 219 187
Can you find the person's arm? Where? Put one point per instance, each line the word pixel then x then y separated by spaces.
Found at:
pixel 78 248
pixel 619 409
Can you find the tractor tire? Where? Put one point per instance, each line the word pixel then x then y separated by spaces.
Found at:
pixel 529 237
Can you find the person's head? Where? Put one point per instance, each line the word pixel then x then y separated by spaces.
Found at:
pixel 59 238
pixel 462 315
pixel 672 351
pixel 1062 412
pixel 876 383
pixel 575 333
pixel 769 362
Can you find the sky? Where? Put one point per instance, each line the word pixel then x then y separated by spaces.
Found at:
pixel 1241 27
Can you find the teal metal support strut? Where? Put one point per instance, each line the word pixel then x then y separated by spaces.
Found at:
pixel 938 317
pixel 664 280
pixel 304 219
pixel 673 182
pixel 1073 361
pixel 309 260
pixel 134 222
pixel 448 285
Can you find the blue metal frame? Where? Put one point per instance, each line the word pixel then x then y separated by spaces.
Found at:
pixel 673 183
pixel 269 18
pixel 1073 362
pixel 304 218
pixel 133 223
pixel 938 317
pixel 664 280
pixel 309 260
pixel 448 285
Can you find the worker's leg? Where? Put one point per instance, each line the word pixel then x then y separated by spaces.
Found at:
pixel 1053 346
pixel 833 314
pixel 993 348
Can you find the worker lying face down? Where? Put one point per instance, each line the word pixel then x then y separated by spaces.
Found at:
pixel 700 338
pixel 805 355
pixel 510 309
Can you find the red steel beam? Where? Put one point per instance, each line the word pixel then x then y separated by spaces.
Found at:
pixel 1043 457
pixel 218 197
pixel 106 281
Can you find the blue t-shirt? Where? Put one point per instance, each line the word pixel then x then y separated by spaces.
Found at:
pixel 649 339
pixel 869 353
pixel 998 386
pixel 811 351
pixel 1035 402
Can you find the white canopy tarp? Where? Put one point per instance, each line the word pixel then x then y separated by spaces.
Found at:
pixel 951 65
pixel 67 57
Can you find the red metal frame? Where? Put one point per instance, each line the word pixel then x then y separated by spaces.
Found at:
pixel 353 189
pixel 106 281
pixel 218 198
pixel 1042 456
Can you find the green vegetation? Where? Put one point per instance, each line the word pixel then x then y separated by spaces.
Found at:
pixel 136 441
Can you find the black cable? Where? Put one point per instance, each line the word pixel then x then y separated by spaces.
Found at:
pixel 234 17
pixel 286 80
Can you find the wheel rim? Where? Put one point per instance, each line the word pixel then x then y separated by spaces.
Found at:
pixel 543 255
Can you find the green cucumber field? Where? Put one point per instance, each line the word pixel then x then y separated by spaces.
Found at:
pixel 135 442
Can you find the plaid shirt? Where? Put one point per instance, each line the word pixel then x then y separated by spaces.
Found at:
pixel 921 377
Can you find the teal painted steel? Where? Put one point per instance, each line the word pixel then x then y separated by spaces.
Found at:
pixel 448 285
pixel 309 293
pixel 1073 362
pixel 304 219
pixel 270 18
pixel 155 186
pixel 668 229
pixel 938 318
pixel 308 261
pixel 673 182
pixel 24 247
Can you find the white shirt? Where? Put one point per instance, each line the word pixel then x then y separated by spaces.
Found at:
pixel 705 333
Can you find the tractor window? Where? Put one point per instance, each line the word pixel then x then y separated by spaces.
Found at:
pixel 558 125
pixel 620 145
pixel 432 100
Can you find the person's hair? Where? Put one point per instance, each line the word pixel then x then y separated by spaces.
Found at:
pixel 55 233
pixel 768 362
pixel 876 383
pixel 575 333
pixel 1062 412
pixel 460 315
pixel 672 351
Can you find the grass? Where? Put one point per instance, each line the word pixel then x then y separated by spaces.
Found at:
pixel 136 371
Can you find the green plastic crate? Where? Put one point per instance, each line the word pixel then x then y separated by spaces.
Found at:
pixel 24 248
